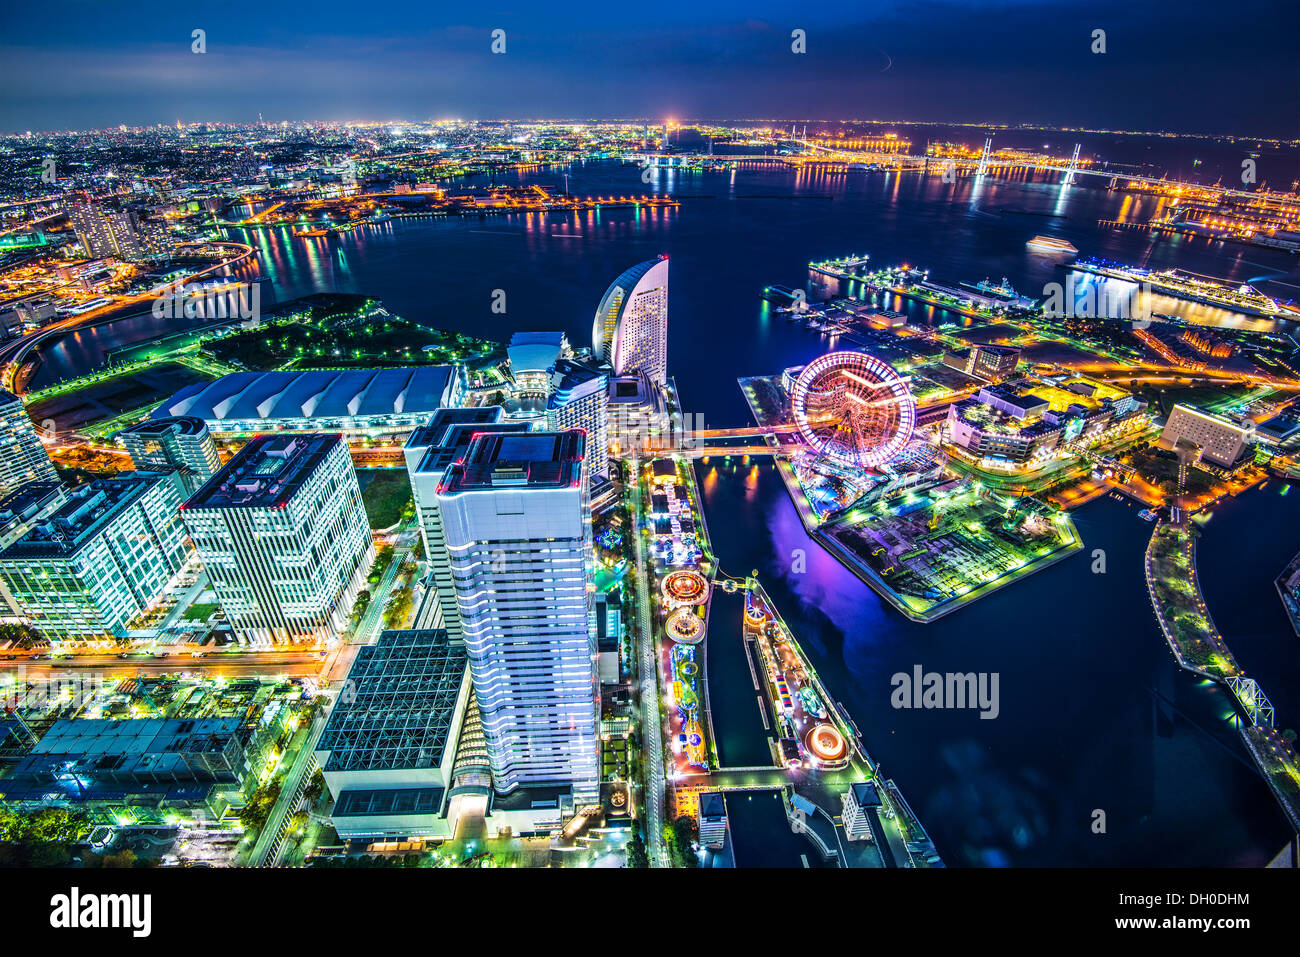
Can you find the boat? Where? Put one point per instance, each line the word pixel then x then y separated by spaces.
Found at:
pixel 1003 291
pixel 782 295
pixel 1050 244
pixel 312 233
pixel 1191 287
pixel 1148 515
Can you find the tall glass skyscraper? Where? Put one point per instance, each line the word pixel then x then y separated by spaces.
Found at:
pixel 579 400
pixel 429 451
pixel 517 522
pixel 89 568
pixel 631 327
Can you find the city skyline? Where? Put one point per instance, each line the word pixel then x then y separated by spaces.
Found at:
pixel 674 477
pixel 995 62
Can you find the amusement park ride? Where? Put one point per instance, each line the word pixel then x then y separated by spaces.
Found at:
pixel 853 409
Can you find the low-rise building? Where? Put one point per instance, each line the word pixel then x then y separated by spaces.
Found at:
pixel 388 750
pixel 532 355
pixel 1221 441
pixel 1028 419
pixel 353 402
pixel 858 800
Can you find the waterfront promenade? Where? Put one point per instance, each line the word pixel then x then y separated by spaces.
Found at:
pixel 813 792
pixel 1198 647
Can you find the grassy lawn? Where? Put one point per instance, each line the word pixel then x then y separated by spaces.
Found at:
pixel 200 610
pixel 386 496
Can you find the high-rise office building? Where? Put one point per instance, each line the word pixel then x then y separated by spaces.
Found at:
pixel 429 451
pixel 284 537
pixel 517 522
pixel 23 458
pixel 100 559
pixel 631 327
pixel 181 443
pixel 579 400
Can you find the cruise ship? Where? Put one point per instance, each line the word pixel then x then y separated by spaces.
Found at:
pixel 1050 244
pixel 1181 284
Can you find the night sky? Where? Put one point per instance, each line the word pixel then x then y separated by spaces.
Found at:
pixel 1179 65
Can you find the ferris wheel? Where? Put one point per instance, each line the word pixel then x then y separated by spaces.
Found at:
pixel 853 408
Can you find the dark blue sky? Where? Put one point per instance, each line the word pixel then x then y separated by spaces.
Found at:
pixel 1184 65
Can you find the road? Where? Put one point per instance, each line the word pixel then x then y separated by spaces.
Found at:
pixel 368 626
pixel 267 840
pixel 218 664
pixel 648 675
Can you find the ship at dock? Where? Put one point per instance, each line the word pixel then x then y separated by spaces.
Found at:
pixel 1002 292
pixel 1192 287
pixel 968 298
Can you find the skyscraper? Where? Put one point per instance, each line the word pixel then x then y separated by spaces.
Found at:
pixel 181 443
pixel 23 458
pixel 429 452
pixel 283 535
pixel 579 400
pixel 631 327
pixel 518 528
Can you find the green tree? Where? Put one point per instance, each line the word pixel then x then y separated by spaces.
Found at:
pixel 636 852
pixel 123 858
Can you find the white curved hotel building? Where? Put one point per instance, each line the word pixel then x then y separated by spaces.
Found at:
pixel 631 327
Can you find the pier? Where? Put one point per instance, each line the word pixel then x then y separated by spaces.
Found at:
pixel 814 778
pixel 1198 647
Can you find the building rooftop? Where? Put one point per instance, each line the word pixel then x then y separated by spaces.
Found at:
pixel 26 500
pixel 183 424
pixel 317 394
pixel 529 459
pixel 78 520
pixel 379 802
pixel 401 701
pixel 535 351
pixel 712 808
pixel 573 378
pixel 629 389
pixel 266 472
pixel 431 433
pixel 139 746
pixel 864 792
pixel 448 435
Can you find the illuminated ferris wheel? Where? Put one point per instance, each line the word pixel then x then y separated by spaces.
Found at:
pixel 853 408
